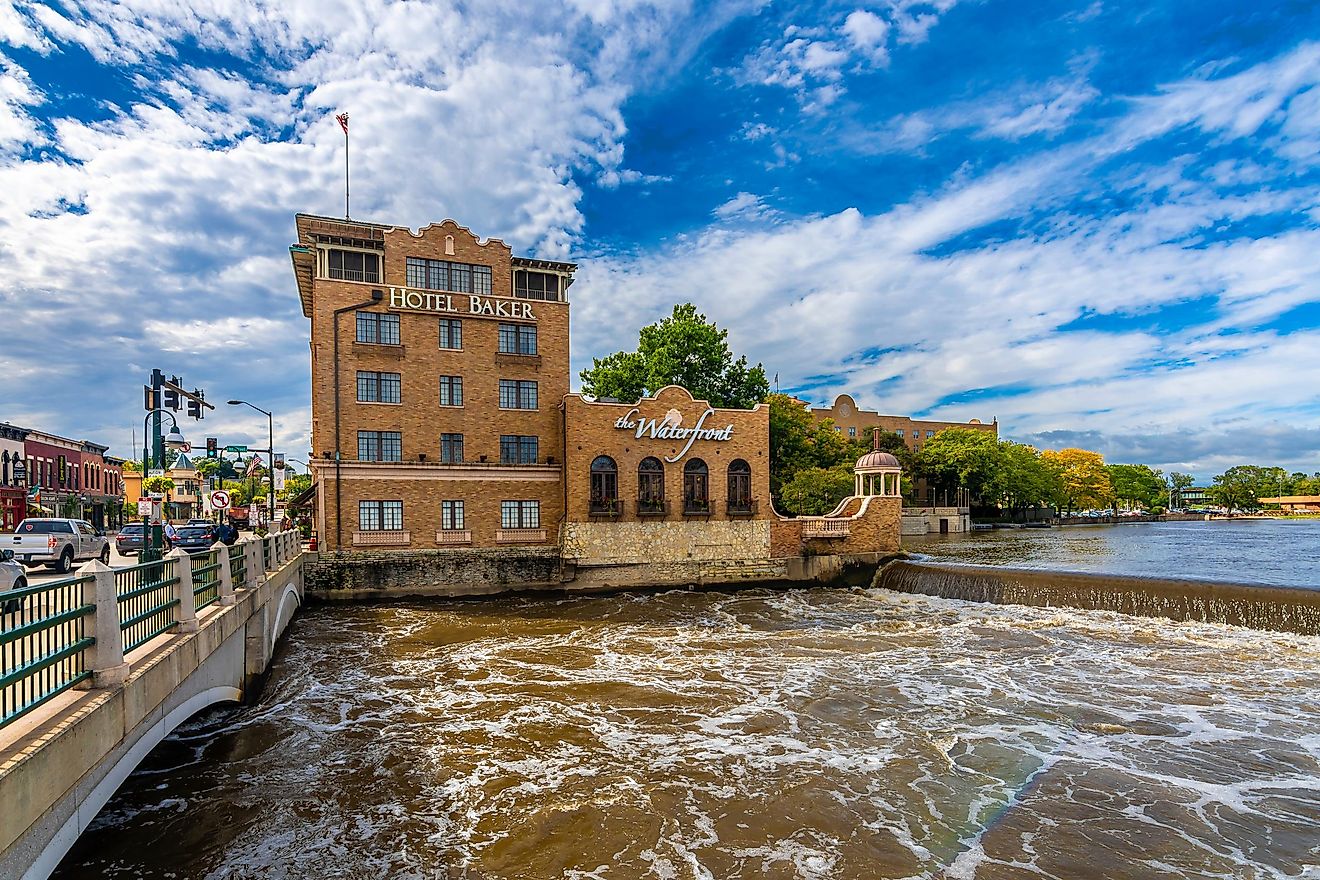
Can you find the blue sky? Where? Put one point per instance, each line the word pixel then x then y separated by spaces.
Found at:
pixel 1097 222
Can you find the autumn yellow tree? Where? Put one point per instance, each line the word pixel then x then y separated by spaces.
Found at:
pixel 1083 479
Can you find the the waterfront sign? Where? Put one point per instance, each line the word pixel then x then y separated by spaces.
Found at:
pixel 432 301
pixel 670 428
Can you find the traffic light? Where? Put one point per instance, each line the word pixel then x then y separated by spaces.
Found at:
pixel 212 447
pixel 150 398
pixel 194 408
pixel 171 399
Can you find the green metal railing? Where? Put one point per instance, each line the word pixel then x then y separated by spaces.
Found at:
pixel 147 599
pixel 206 578
pixel 43 634
pixel 238 565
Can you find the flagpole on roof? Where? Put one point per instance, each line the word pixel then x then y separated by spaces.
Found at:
pixel 343 123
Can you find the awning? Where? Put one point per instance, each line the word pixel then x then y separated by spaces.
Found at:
pixel 304 498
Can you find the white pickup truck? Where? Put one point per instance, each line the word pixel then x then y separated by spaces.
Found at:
pixel 56 542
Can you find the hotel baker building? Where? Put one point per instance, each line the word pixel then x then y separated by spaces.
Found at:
pixel 442 418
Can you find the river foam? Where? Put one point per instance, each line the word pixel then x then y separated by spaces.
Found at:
pixel 806 734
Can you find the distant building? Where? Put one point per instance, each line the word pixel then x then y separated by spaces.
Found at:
pixel 1196 496
pixel 64 477
pixel 853 421
pixel 1295 503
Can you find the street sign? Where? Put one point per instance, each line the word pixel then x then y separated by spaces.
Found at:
pixel 155 472
pixel 20 472
pixel 144 507
pixel 219 500
pixel 235 449
pixel 185 447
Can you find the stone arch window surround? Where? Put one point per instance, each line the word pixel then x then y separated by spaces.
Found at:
pixel 604 486
pixel 650 487
pixel 696 488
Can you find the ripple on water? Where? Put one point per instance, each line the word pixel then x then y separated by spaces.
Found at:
pixel 809 734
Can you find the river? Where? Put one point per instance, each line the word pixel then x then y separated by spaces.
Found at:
pixel 1265 551
pixel 807 734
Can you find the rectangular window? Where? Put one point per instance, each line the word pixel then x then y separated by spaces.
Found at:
pixel 517 394
pixel 451 448
pixel 852 432
pixel 916 435
pixel 451 390
pixel 353 266
pixel 481 280
pixel 520 514
pixel 518 339
pixel 930 434
pixel 518 449
pixel 451 515
pixel 444 275
pixel 536 285
pixel 377 329
pixel 378 387
pixel 451 333
pixel 380 516
pixel 380 446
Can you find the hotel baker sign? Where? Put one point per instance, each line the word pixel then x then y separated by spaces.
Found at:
pixel 670 428
pixel 482 306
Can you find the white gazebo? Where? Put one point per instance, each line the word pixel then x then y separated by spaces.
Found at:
pixel 878 473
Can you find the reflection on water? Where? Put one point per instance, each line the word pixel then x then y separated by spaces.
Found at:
pixel 809 734
pixel 1279 552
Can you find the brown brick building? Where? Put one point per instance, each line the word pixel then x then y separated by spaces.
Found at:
pixel 438 365
pixel 852 420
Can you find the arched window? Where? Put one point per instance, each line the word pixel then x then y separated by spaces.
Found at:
pixel 651 487
pixel 604 485
pixel 740 487
pixel 4 475
pixel 696 487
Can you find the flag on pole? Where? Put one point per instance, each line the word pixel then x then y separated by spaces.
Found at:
pixel 343 121
pixel 254 464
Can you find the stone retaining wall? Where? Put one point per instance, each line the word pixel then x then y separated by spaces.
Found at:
pixel 616 543
pixel 458 572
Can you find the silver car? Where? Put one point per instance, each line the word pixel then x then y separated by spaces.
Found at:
pixel 12 577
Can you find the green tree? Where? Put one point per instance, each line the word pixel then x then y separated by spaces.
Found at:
pixel 1241 487
pixel 1023 479
pixel 1082 479
pixel 1179 483
pixel 798 441
pixel 963 458
pixel 157 484
pixel 681 349
pixel 1135 484
pixel 296 485
pixel 816 491
pixel 132 467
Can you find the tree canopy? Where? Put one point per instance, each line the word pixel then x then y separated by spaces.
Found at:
pixel 1083 479
pixel 682 349
pixel 1137 485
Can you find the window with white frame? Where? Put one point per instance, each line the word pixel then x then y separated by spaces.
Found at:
pixel 520 514
pixel 451 516
pixel 380 516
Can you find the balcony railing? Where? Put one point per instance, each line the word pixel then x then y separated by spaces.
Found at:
pixel 606 508
pixel 453 536
pixel 520 536
pixel 741 508
pixel 695 507
pixel 651 507
pixel 825 528
pixel 382 539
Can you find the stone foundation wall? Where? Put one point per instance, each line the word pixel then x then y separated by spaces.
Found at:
pixel 657 543
pixel 469 572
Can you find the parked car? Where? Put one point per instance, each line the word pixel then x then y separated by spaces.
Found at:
pixel 200 522
pixel 56 542
pixel 195 539
pixel 131 539
pixel 12 577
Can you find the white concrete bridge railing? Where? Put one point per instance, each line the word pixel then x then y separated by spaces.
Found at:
pixel 97 669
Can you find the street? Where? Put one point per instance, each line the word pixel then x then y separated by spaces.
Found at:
pixel 43 575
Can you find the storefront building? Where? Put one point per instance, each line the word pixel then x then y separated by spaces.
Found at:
pixel 438 364
pixel 13 476
pixel 667 478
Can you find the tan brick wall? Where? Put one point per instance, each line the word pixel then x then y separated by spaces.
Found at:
pixel 422 488
pixel 591 432
pixel 421 362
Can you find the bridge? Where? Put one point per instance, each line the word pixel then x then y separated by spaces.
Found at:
pixel 95 670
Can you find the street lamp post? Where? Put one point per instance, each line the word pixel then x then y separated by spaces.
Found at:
pixel 270 452
pixel 173 440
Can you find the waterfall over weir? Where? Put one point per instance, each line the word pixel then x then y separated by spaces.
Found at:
pixel 1282 609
